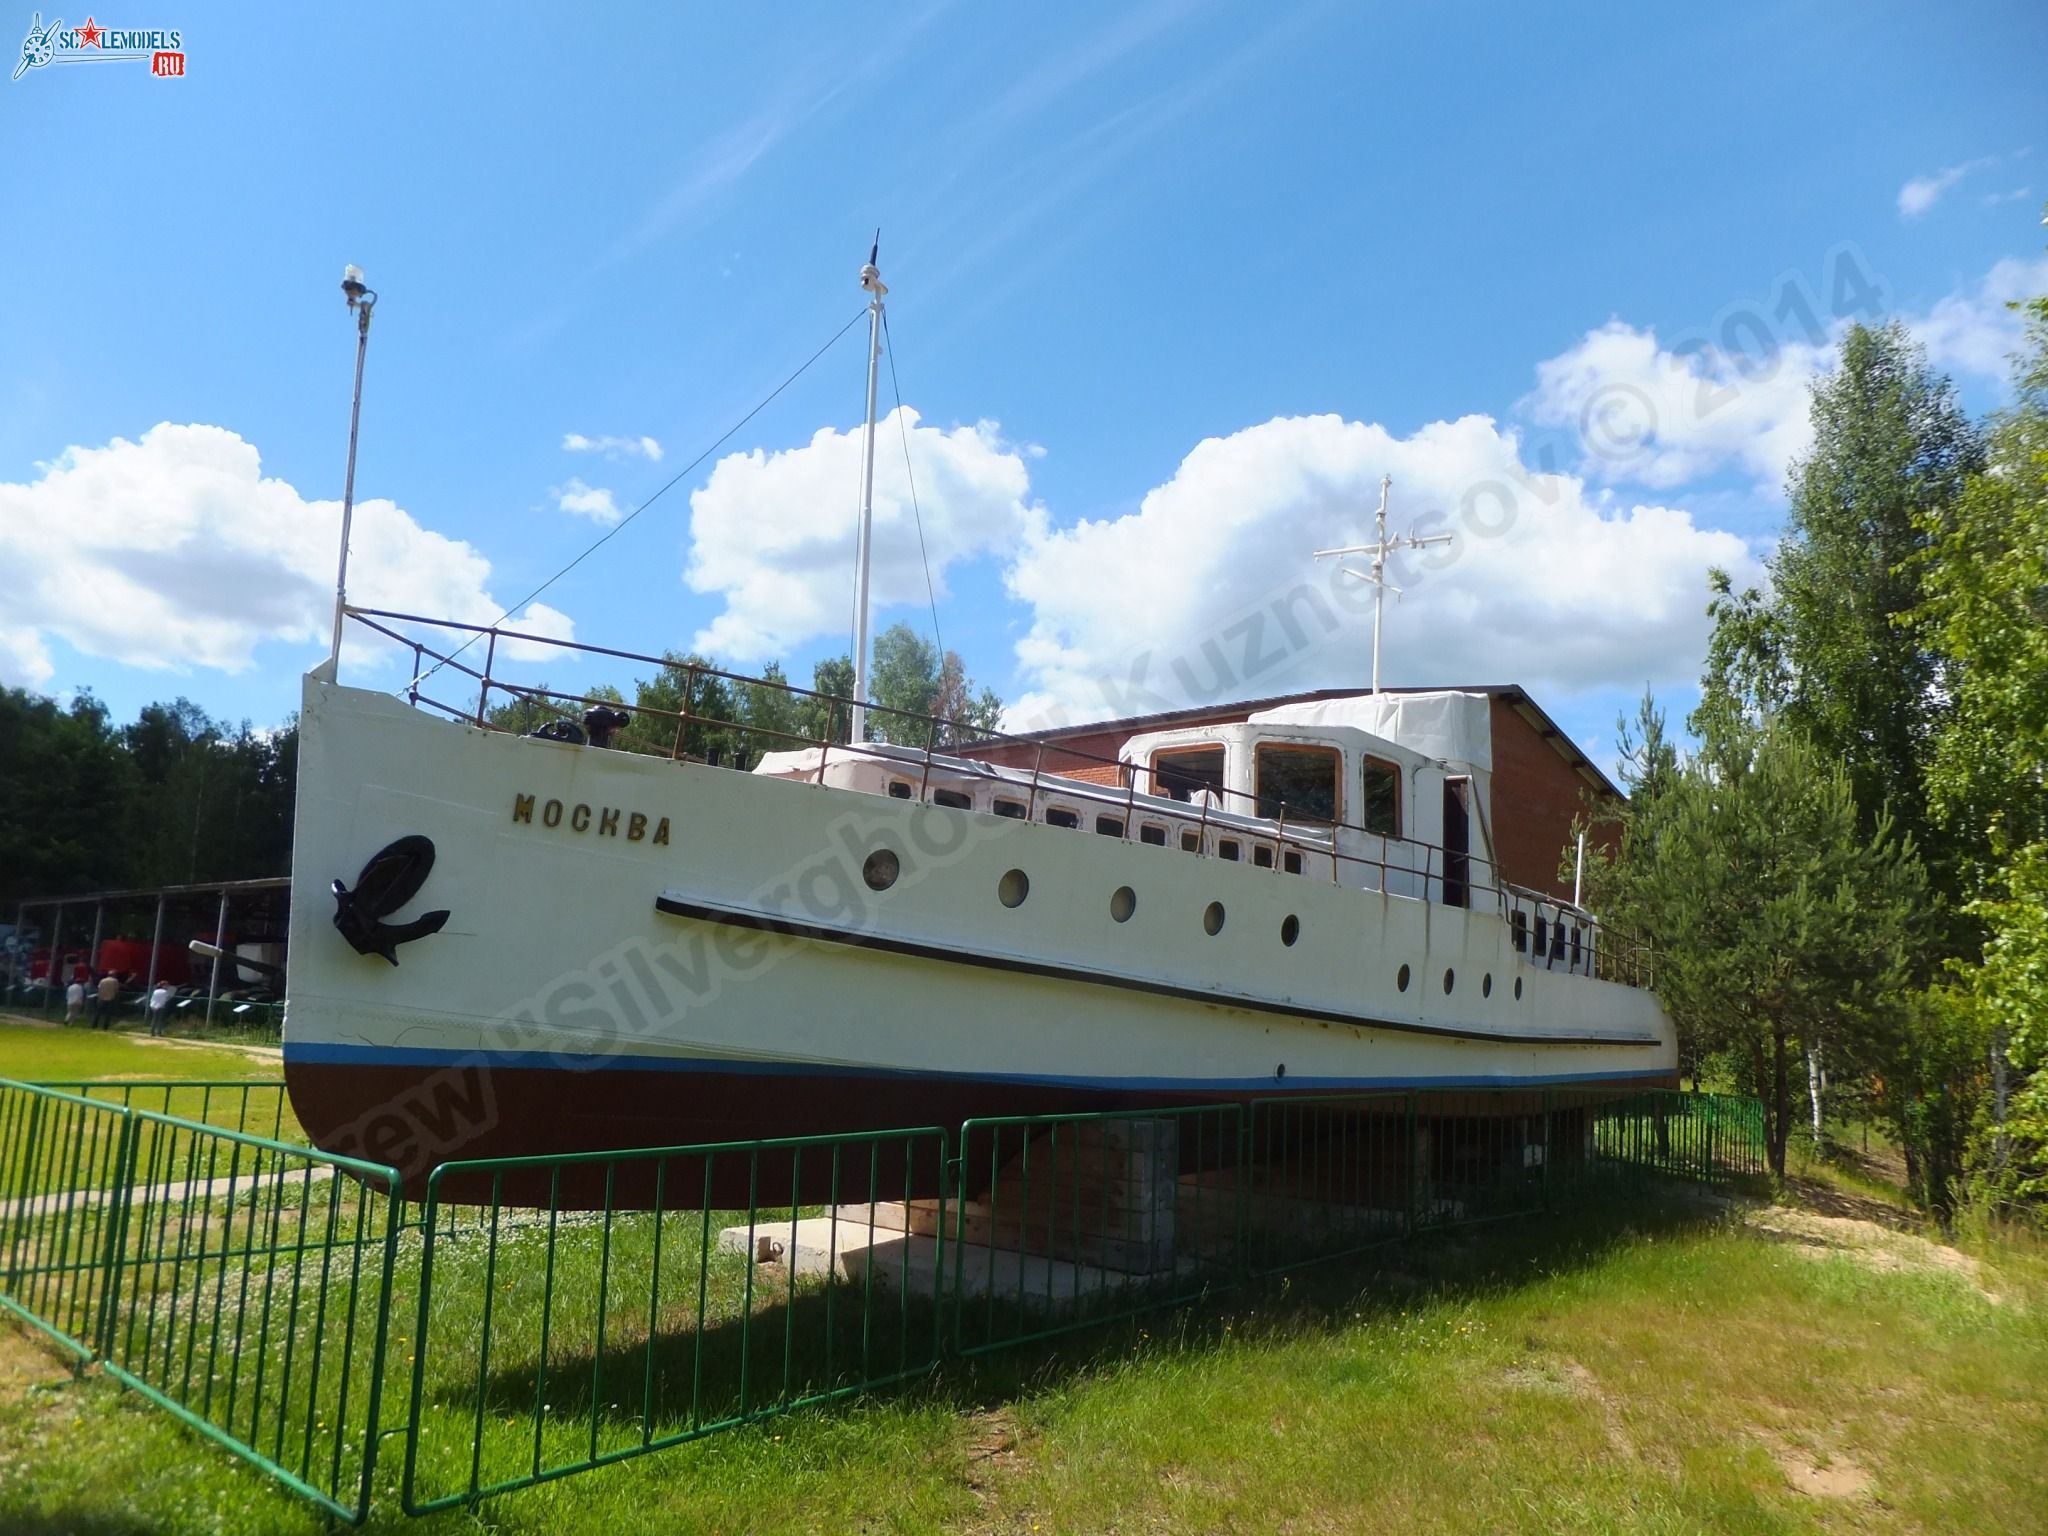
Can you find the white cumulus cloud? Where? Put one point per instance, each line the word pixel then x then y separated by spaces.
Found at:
pixel 612 447
pixel 591 501
pixel 1663 416
pixel 1975 330
pixel 774 533
pixel 1209 591
pixel 1923 192
pixel 175 551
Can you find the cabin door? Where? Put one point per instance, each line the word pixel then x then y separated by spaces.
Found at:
pixel 1457 841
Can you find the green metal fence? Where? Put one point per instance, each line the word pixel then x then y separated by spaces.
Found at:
pixel 564 1313
pixel 1328 1175
pixel 62 1160
pixel 241 1283
pixel 643 1299
pixel 1059 1222
pixel 249 1106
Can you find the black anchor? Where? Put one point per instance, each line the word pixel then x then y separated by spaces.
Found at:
pixel 392 877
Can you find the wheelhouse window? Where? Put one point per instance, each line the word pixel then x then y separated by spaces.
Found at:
pixel 1055 817
pixel 1229 849
pixel 1183 772
pixel 1110 826
pixel 1291 861
pixel 1262 856
pixel 1301 781
pixel 1013 809
pixel 953 799
pixel 1382 803
pixel 1191 842
pixel 1153 833
pixel 898 790
pixel 1518 930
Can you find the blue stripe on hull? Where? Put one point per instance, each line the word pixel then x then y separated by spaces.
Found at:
pixel 555 1061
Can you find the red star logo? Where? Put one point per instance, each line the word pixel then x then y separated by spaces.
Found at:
pixel 88 35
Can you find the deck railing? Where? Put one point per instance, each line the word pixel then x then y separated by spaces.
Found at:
pixel 1576 941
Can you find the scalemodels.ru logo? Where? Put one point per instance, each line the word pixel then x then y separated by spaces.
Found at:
pixel 161 49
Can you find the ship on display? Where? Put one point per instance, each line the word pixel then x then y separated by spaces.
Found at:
pixel 534 944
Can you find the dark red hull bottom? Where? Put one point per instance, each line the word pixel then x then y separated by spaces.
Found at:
pixel 416 1119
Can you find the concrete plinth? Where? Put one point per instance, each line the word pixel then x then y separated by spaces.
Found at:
pixel 853 1252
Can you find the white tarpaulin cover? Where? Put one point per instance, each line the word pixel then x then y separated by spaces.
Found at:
pixel 1452 727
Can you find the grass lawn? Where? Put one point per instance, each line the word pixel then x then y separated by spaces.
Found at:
pixel 120 1065
pixel 36 1052
pixel 1679 1367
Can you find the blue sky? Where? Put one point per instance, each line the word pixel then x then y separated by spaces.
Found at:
pixel 1172 286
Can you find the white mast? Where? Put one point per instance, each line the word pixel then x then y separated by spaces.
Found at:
pixel 871 283
pixel 1379 549
pixel 361 300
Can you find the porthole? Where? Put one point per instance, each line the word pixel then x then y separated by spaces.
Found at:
pixel 1486 985
pixel 1290 929
pixel 1212 920
pixel 1123 903
pixel 1401 979
pixel 881 869
pixel 1518 989
pixel 1013 888
pixel 1450 979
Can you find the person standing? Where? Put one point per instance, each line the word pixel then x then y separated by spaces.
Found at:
pixel 159 1003
pixel 74 1001
pixel 103 1007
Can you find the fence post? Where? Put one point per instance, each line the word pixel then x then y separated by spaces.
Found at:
pixel 121 1192
pixel 24 1204
pixel 1546 1149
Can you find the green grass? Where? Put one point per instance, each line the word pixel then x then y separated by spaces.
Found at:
pixel 1632 1368
pixel 1682 1366
pixel 34 1052
pixel 122 1068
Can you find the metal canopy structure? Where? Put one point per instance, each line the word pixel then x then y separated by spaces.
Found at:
pixel 267 899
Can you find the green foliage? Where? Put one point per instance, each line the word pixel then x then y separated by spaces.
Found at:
pixel 823 718
pixel 1985 578
pixel 1839 648
pixel 177 796
pixel 1782 925
pixel 910 680
pixel 1931 1088
pixel 2012 985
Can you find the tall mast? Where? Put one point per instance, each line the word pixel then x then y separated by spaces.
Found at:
pixel 1379 549
pixel 361 300
pixel 871 284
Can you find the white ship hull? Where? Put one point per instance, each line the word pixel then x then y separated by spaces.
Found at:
pixel 644 952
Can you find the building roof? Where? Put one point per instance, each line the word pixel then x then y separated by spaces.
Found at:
pixel 1511 694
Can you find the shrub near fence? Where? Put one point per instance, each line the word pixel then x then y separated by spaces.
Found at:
pixel 565 1313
